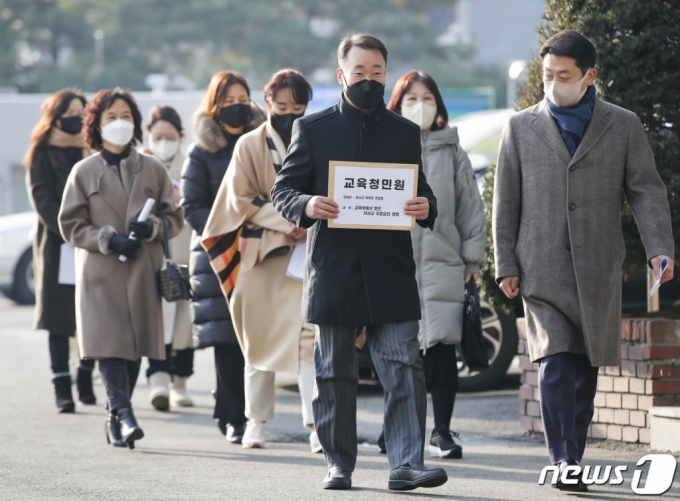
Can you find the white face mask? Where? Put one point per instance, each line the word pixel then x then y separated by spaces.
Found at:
pixel 164 150
pixel 420 113
pixel 563 94
pixel 119 132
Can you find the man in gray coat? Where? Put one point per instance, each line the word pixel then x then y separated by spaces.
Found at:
pixel 563 168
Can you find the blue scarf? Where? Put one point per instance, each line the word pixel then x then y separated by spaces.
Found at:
pixel 572 121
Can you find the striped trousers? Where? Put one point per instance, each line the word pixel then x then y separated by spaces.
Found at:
pixel 394 350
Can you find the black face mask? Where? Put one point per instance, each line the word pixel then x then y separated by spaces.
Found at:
pixel 284 123
pixel 365 94
pixel 71 125
pixel 235 115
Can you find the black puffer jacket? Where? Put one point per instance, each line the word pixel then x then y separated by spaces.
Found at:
pixel 207 161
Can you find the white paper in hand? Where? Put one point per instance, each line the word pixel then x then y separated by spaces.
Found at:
pixel 67 265
pixel 657 284
pixel 146 210
pixel 296 265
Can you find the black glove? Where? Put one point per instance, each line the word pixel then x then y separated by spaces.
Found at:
pixel 142 229
pixel 125 246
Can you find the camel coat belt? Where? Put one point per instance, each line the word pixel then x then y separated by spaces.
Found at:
pixel 118 305
pixel 557 225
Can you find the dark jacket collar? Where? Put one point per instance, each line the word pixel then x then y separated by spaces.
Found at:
pixel 351 113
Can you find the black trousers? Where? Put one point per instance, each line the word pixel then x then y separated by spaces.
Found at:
pixel 568 384
pixel 119 377
pixel 180 364
pixel 230 399
pixel 441 378
pixel 59 355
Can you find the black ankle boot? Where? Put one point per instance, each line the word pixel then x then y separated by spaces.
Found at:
pixel 112 429
pixel 129 428
pixel 84 385
pixel 62 390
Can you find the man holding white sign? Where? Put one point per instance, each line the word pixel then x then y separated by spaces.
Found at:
pixel 360 269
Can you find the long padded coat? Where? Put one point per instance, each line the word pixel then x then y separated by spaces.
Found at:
pixel 557 225
pixel 202 174
pixel 352 277
pixel 457 242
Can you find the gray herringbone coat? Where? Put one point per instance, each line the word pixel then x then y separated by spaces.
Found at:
pixel 557 225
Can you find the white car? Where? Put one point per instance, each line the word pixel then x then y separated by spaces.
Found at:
pixel 480 137
pixel 16 256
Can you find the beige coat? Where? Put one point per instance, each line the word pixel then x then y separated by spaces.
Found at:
pixel 118 305
pixel 265 304
pixel 455 246
pixel 557 225
pixel 180 246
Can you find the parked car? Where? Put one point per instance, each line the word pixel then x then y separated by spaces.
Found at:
pixel 16 256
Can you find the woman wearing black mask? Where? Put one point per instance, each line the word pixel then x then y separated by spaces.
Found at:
pixel 277 340
pixel 224 116
pixel 56 146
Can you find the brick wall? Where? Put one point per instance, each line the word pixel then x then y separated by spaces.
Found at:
pixel 649 375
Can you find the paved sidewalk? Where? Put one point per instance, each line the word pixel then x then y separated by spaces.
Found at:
pixel 46 456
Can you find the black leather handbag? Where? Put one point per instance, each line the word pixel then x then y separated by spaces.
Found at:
pixel 473 347
pixel 173 279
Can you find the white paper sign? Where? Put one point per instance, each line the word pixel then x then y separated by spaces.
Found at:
pixel 67 265
pixel 296 265
pixel 372 195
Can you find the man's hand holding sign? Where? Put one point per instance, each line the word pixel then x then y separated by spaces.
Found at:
pixel 370 196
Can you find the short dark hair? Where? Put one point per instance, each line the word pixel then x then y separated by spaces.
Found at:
pixel 363 41
pixel 572 44
pixel 167 114
pixel 404 85
pixel 293 80
pixel 101 102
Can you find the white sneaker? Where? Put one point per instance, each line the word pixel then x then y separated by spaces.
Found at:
pixel 178 393
pixel 253 438
pixel 314 442
pixel 159 396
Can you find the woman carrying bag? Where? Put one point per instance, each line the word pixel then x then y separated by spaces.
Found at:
pixel 265 303
pixel 224 116
pixel 56 146
pixel 168 378
pixel 118 304
pixel 447 257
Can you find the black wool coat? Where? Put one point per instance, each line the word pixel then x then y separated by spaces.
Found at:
pixel 55 309
pixel 352 277
pixel 205 166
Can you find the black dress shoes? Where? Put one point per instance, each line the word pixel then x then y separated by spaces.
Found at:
pixel 112 430
pixel 337 479
pixel 578 486
pixel 129 429
pixel 62 392
pixel 414 475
